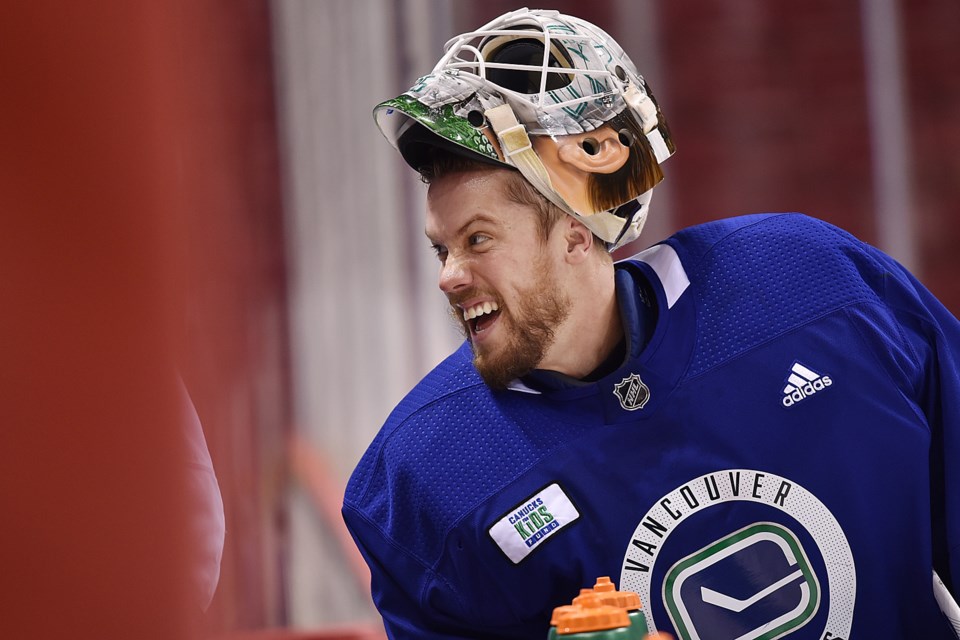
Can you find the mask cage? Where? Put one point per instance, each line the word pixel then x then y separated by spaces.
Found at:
pixel 489 53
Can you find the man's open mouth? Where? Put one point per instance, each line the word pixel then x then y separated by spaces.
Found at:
pixel 480 316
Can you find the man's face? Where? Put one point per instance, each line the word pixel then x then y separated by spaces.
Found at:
pixel 499 275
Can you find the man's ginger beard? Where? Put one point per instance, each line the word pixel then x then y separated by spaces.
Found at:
pixel 527 328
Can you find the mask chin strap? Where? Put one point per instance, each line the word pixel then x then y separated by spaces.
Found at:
pixel 518 151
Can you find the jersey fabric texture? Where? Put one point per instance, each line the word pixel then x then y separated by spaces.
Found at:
pixel 775 456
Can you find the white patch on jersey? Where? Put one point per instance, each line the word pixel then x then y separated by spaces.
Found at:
pixel 530 523
pixel 665 262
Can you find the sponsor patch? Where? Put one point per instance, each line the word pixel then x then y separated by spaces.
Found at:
pixel 532 522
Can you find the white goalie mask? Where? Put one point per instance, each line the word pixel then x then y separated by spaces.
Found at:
pixel 501 92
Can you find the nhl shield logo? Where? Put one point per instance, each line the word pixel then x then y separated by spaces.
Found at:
pixel 632 393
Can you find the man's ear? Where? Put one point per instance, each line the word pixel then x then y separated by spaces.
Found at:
pixel 577 238
pixel 597 151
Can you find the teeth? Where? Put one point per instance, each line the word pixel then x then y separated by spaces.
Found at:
pixel 479 310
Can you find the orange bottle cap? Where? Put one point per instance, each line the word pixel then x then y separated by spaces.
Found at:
pixel 610 596
pixel 561 610
pixel 604 584
pixel 589 614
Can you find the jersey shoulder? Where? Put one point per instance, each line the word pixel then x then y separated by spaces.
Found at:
pixel 756 277
pixel 761 237
pixel 453 376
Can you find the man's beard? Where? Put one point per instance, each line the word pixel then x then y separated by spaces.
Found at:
pixel 528 328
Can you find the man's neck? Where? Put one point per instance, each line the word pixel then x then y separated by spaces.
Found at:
pixel 591 331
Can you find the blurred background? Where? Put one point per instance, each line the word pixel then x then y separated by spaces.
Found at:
pixel 196 189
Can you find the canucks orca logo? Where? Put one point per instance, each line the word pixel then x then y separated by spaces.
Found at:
pixel 756 582
pixel 700 597
pixel 632 392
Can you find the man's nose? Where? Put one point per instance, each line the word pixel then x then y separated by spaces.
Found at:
pixel 454 274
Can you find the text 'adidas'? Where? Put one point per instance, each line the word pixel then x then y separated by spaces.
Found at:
pixel 803 383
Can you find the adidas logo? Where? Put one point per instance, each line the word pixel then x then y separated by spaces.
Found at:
pixel 803 383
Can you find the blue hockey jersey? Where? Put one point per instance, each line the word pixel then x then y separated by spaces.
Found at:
pixel 777 455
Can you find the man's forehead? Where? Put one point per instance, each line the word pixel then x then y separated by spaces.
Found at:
pixel 457 201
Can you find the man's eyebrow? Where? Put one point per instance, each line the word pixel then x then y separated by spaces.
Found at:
pixel 480 217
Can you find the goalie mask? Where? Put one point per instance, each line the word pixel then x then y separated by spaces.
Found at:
pixel 552 96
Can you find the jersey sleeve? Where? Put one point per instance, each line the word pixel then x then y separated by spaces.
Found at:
pixel 411 599
pixel 932 333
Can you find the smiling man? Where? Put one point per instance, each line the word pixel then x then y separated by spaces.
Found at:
pixel 754 424
pixel 523 283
